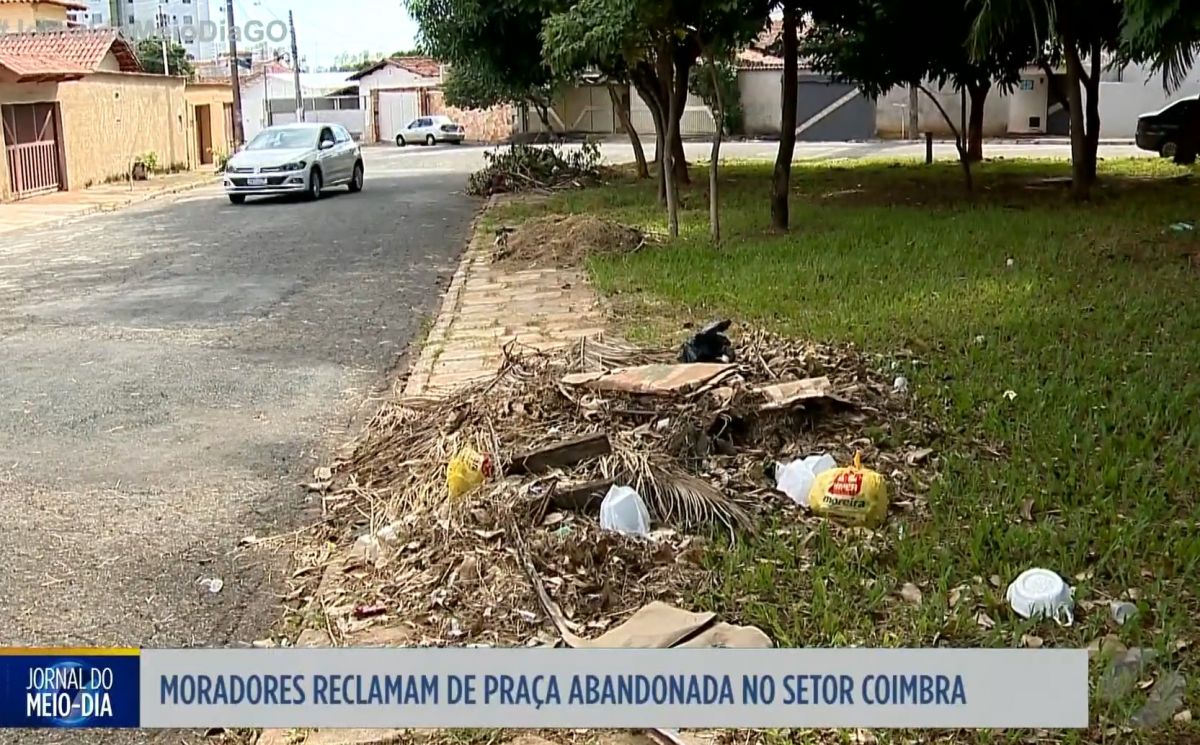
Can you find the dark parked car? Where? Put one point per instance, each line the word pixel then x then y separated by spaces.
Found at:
pixel 1160 130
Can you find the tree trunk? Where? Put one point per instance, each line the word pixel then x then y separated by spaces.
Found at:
pixel 646 80
pixel 959 144
pixel 1081 183
pixel 621 107
pixel 1092 88
pixel 670 185
pixel 684 57
pixel 782 182
pixel 979 94
pixel 714 202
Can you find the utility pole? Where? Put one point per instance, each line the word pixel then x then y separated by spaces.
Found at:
pixel 234 77
pixel 162 29
pixel 296 69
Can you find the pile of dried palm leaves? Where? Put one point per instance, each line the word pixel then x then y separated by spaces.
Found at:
pixel 451 569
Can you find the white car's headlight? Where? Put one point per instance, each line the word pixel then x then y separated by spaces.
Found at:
pixel 299 165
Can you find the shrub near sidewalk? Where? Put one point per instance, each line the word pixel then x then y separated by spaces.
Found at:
pixel 1056 344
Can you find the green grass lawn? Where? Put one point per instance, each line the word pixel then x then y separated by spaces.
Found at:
pixel 1089 313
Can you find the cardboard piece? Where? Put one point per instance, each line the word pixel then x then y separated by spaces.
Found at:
pixel 786 395
pixel 662 626
pixel 658 380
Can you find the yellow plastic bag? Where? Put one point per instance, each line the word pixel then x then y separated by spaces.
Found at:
pixel 854 495
pixel 467 470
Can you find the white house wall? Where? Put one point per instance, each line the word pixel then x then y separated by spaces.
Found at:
pixel 1139 92
pixel 762 100
pixel 891 114
pixel 389 76
pixel 696 121
pixel 254 106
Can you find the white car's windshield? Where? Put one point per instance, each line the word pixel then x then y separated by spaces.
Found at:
pixel 283 139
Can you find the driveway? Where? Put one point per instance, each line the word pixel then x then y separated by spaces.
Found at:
pixel 172 372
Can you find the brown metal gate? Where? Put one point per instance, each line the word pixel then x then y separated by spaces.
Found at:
pixel 31 132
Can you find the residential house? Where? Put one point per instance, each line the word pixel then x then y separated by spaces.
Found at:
pixel 392 91
pixel 78 110
pixel 829 110
pixel 269 97
pixel 30 15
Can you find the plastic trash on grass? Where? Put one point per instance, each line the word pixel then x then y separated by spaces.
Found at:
pixel 1041 593
pixel 854 494
pixel 623 511
pixel 796 479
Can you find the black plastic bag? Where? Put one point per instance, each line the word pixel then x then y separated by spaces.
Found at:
pixel 710 345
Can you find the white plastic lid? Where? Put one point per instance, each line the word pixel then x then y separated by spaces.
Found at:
pixel 1041 592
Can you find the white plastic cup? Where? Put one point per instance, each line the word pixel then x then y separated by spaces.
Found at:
pixel 1041 593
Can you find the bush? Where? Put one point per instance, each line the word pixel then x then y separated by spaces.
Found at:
pixel 525 167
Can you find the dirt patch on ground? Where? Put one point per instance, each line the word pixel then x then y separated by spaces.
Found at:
pixel 560 240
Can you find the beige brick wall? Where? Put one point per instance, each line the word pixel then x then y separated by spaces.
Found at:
pixel 110 119
pixel 215 97
pixel 482 125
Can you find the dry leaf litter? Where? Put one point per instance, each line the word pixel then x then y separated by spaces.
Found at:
pixel 454 572
pixel 564 240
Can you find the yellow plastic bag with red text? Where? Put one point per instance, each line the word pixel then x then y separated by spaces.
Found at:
pixel 467 471
pixel 854 495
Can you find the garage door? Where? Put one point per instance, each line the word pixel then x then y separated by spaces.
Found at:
pixel 831 112
pixel 32 151
pixel 396 110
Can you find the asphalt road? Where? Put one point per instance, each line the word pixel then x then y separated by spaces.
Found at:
pixel 171 373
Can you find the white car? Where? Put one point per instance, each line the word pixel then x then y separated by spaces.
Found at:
pixel 431 130
pixel 295 159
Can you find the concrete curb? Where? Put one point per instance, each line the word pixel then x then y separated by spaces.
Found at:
pixel 94 209
pixel 422 367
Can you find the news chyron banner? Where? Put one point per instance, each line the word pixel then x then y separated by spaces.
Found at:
pixel 544 688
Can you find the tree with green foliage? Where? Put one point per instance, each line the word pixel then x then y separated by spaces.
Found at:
pixel 638 37
pixel 721 28
pixel 1165 34
pixel 868 43
pixel 494 50
pixel 1075 33
pixel 150 54
pixel 659 42
pixel 724 92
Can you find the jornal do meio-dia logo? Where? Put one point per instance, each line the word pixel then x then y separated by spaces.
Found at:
pixel 69 694
pixel 69 688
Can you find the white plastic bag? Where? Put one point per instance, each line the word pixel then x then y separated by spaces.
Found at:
pixel 623 511
pixel 796 479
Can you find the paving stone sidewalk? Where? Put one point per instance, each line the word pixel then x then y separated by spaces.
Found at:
pixel 489 305
pixel 67 205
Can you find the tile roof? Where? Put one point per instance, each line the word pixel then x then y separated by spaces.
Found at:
pixel 68 4
pixel 82 48
pixel 425 67
pixel 36 67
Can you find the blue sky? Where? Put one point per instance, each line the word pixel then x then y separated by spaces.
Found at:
pixel 327 28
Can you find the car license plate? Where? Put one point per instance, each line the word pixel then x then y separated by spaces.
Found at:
pixel 257 181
